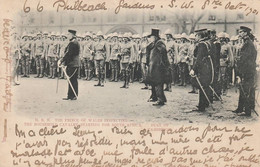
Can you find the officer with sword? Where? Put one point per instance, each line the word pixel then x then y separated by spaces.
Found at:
pixel 71 59
pixel 246 66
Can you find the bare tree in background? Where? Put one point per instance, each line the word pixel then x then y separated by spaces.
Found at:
pixel 184 19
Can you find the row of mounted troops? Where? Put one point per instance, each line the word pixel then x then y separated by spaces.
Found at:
pixel 122 56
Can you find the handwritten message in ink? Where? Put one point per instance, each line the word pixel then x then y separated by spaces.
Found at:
pixel 132 145
pixel 80 5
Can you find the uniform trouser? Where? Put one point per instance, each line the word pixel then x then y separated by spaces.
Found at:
pixel 229 74
pixel 72 73
pixel 114 69
pixel 125 72
pixel 175 75
pixel 15 65
pixel 183 72
pixel 80 68
pixel 39 64
pixel 223 78
pixel 26 65
pixel 89 66
pixel 132 71
pixel 144 70
pixel 53 66
pixel 216 84
pixel 158 93
pixel 100 65
pixel 247 93
pixel 203 102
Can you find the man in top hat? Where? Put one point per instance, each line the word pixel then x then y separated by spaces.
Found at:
pixel 158 68
pixel 246 71
pixel 71 59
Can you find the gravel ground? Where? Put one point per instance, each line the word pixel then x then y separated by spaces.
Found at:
pixel 38 98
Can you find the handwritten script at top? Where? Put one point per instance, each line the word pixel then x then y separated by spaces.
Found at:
pixel 83 6
pixel 127 146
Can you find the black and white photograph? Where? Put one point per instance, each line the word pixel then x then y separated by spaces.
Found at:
pixel 130 83
pixel 196 66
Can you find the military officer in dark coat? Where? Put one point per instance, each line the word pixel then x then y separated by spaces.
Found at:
pixel 158 67
pixel 246 65
pixel 202 69
pixel 71 59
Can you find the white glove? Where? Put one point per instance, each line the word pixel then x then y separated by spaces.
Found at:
pixel 192 73
pixel 238 80
pixel 59 63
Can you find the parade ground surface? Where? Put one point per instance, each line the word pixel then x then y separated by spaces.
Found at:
pixel 37 97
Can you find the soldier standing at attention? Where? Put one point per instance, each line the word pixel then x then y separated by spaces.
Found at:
pixel 16 56
pixel 100 50
pixel 26 51
pixel 115 50
pixel 88 56
pixel 246 71
pixel 143 55
pixel 127 52
pixel 53 56
pixel 226 61
pixel 39 55
pixel 171 52
pixel 71 59
pixel 183 56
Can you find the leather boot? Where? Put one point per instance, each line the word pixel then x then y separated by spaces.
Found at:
pixel 112 75
pixel 116 75
pixel 90 75
pixel 99 84
pixel 51 73
pixel 54 73
pixel 37 72
pixel 41 72
pixel 87 74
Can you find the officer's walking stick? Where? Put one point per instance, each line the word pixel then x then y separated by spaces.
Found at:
pixel 57 86
pixel 221 100
pixel 68 79
pixel 204 92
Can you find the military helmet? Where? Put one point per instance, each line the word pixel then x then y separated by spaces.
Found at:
pixel 184 35
pixel 221 35
pixel 168 31
pixel 99 33
pixel 192 36
pixel 145 34
pixel 226 35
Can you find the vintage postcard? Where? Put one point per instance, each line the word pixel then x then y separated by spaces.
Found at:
pixel 111 83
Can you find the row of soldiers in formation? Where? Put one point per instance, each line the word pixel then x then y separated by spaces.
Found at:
pixel 120 56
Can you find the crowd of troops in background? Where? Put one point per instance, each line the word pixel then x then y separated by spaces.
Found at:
pixel 122 57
